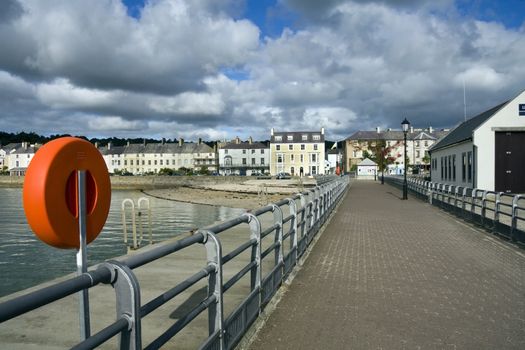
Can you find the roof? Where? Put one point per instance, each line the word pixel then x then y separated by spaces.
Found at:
pixel 397 135
pixel 244 145
pixel 464 131
pixel 367 162
pixel 297 137
pixel 157 148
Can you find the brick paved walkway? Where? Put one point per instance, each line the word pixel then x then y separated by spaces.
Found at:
pixel 393 274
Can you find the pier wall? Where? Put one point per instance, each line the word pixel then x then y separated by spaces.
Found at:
pixel 145 182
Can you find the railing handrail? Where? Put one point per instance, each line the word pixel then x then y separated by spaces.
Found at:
pixel 483 207
pixel 302 224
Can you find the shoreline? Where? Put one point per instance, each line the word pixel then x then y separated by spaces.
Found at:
pixel 228 191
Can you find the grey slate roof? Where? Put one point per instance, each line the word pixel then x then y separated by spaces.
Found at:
pixel 463 131
pixel 397 135
pixel 244 145
pixel 298 137
pixel 140 148
pixel 367 162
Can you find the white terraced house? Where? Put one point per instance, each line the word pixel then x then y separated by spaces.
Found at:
pixel 144 158
pixel 243 158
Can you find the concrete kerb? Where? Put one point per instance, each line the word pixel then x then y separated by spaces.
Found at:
pixel 258 324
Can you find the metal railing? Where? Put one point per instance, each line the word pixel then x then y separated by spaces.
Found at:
pixel 295 222
pixel 500 213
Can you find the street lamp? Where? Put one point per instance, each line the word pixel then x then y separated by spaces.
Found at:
pixel 405 125
pixel 383 151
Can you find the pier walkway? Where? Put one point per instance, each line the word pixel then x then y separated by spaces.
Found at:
pixel 394 274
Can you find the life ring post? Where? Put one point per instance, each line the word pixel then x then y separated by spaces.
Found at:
pixel 85 328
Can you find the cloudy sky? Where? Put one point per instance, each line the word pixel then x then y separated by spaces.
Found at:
pixel 223 68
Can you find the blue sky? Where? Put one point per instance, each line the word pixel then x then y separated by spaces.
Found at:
pixel 217 69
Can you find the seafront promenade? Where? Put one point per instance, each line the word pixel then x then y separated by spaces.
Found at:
pixel 393 274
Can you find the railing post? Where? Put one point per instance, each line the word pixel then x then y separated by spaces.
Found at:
pixel 483 207
pixel 127 291
pixel 293 227
pixel 255 233
pixel 278 221
pixel 514 220
pixel 216 309
pixel 496 212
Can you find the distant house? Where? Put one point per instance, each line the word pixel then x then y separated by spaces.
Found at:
pixel 297 152
pixel 418 143
pixel 17 157
pixel 150 158
pixel 486 151
pixel 367 168
pixel 243 158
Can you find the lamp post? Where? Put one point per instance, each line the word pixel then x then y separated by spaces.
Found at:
pixel 405 125
pixel 382 164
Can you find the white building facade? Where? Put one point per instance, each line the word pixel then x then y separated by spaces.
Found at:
pixel 244 158
pixel 486 152
pixel 141 159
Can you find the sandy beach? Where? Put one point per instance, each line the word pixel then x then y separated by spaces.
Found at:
pixel 249 194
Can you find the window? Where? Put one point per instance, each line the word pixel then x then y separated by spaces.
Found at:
pixel 243 151
pixel 290 147
pixel 149 161
pixel 291 158
pixel 161 162
pixel 253 161
pixel 277 147
pixel 125 162
pixel 418 154
pixel 454 167
pixel 262 151
pixel 469 162
pixel 244 161
pixel 463 166
pixel 302 158
pixel 417 143
pixel 278 138
pixel 442 168
pixel 304 137
pixel 315 147
pixel 426 143
pixel 131 162
pixel 302 147
pixel 313 157
pixel 172 162
pixel 262 161
pixel 155 162
pixel 289 137
pixel 317 137
pixel 253 151
pixel 279 158
pixel 225 151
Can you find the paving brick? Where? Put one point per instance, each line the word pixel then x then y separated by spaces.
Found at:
pixel 393 274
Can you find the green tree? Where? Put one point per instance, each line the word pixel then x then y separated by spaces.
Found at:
pixel 166 171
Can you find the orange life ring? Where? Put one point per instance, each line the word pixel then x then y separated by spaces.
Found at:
pixel 50 191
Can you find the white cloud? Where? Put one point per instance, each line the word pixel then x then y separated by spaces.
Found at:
pixel 189 103
pixel 481 77
pixel 62 94
pixel 109 123
pixel 355 65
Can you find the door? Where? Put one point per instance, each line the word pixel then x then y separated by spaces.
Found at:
pixel 510 162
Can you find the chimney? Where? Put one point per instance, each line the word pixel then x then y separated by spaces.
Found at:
pixel 271 133
pixel 163 140
pixel 250 140
pixel 322 131
pixel 128 143
pixel 24 145
pixel 237 140
pixel 144 142
pixel 109 145
pixel 378 129
pixel 96 145
pixel 200 140
pixel 430 130
pixel 181 142
pixel 411 129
